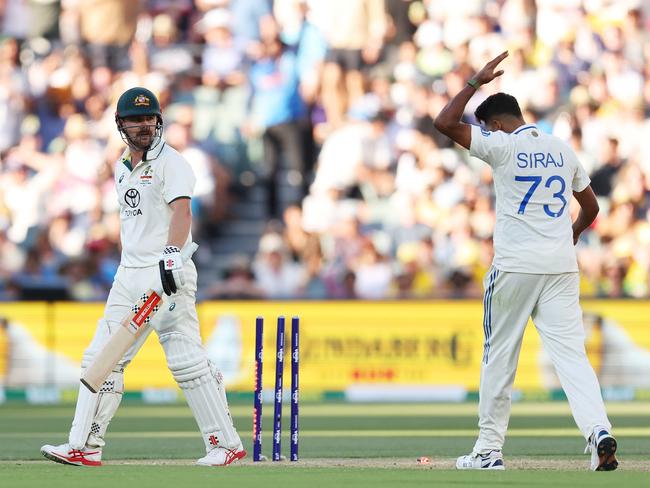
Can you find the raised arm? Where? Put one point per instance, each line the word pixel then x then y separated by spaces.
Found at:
pixel 448 120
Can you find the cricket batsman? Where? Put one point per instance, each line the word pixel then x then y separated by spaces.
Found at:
pixel 534 273
pixel 154 185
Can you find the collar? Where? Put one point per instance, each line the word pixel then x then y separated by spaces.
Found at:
pixel 524 127
pixel 125 159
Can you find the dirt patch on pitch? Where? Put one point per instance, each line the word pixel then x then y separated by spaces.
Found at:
pixel 413 463
pixel 450 463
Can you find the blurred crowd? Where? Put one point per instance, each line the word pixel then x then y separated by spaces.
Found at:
pixel 334 99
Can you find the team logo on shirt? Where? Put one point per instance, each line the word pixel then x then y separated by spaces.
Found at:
pixel 121 178
pixel 486 133
pixel 146 176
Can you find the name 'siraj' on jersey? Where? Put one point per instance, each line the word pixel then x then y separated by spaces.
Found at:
pixel 539 160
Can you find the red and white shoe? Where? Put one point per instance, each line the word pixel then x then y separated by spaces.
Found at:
pixel 222 456
pixel 64 454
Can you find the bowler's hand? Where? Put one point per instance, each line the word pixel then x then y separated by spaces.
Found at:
pixel 487 73
pixel 576 235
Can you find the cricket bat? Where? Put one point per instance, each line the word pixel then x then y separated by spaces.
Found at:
pixel 131 327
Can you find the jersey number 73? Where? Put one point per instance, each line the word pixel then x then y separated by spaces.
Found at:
pixel 535 182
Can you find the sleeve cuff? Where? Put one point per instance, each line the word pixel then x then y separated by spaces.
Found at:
pixel 178 198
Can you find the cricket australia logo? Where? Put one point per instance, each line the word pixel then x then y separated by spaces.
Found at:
pixel 146 176
pixel 141 101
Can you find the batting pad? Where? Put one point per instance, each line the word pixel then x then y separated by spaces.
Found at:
pixel 205 395
pixel 110 396
pixel 83 417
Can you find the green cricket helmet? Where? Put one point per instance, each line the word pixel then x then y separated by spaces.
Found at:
pixel 136 102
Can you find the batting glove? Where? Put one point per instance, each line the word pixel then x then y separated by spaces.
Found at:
pixel 171 270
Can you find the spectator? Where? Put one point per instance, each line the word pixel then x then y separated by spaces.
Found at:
pixel 222 59
pixel 107 28
pixel 280 114
pixel 256 84
pixel 238 283
pixel 313 285
pixel 167 53
pixel 354 40
pixel 275 274
pixel 373 272
pixel 602 180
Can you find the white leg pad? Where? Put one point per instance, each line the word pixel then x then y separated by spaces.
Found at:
pixel 110 396
pixel 221 388
pixel 94 412
pixel 204 392
pixel 83 417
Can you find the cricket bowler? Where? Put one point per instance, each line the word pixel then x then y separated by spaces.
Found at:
pixel 534 273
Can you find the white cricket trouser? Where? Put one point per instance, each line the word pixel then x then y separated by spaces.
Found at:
pixel 177 315
pixel 178 312
pixel 552 302
pixel 177 325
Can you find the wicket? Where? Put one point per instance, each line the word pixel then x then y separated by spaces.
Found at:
pixel 279 375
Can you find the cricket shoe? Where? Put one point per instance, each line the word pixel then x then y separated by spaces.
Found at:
pixel 602 446
pixel 491 460
pixel 222 456
pixel 65 454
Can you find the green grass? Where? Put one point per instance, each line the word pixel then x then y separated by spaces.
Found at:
pixel 253 476
pixel 543 433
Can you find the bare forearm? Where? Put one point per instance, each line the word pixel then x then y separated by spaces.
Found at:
pixel 448 120
pixel 453 112
pixel 588 211
pixel 179 226
pixel 584 220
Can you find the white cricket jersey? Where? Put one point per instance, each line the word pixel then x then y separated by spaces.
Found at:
pixel 144 195
pixel 535 175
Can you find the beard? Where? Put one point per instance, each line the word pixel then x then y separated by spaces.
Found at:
pixel 140 137
pixel 141 140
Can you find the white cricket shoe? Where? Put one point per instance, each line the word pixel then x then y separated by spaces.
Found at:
pixel 64 454
pixel 491 460
pixel 222 456
pixel 602 446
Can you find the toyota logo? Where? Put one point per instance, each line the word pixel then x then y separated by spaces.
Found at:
pixel 132 197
